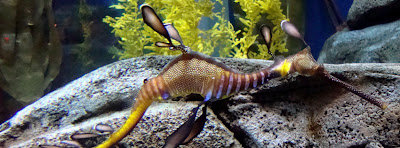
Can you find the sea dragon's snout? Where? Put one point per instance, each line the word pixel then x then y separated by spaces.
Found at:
pixel 305 64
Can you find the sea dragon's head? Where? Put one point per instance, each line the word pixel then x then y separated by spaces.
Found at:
pixel 304 63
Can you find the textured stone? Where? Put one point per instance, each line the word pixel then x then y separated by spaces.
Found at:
pixel 306 112
pixel 105 96
pixel 359 7
pixel 365 13
pixel 295 111
pixel 375 44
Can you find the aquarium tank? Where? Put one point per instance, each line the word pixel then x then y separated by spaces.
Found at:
pixel 64 62
pixel 89 34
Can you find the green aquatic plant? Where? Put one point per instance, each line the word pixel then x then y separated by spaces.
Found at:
pixel 137 39
pixel 254 10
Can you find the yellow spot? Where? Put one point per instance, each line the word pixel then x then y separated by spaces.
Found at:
pixel 284 68
pixel 384 106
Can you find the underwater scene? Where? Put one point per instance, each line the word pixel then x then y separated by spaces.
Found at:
pixel 199 73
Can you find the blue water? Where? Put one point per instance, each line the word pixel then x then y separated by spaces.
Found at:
pixel 319 26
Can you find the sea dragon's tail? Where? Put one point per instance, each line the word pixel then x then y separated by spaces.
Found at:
pixel 151 90
pixel 138 110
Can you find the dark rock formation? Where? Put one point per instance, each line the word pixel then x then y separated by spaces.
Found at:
pixel 295 111
pixel 365 13
pixel 30 51
pixel 375 44
pixel 374 35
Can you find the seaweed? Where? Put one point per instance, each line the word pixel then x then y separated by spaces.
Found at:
pixel 221 39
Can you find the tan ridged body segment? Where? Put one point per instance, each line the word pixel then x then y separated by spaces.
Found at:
pixel 190 76
pixel 196 73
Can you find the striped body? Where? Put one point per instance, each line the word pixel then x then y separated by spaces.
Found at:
pixel 197 73
pixel 193 73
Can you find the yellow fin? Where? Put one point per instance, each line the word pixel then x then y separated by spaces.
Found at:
pixel 284 68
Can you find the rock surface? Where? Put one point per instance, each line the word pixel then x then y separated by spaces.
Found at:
pixel 295 111
pixel 365 13
pixel 375 44
pixel 374 35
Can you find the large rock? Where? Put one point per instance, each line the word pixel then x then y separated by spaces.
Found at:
pixel 375 44
pixel 306 112
pixel 294 111
pixel 365 13
pixel 105 96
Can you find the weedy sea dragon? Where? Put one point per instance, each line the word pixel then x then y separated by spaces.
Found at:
pixel 192 72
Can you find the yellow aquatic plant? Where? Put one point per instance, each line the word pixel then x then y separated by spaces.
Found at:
pixel 254 10
pixel 138 39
